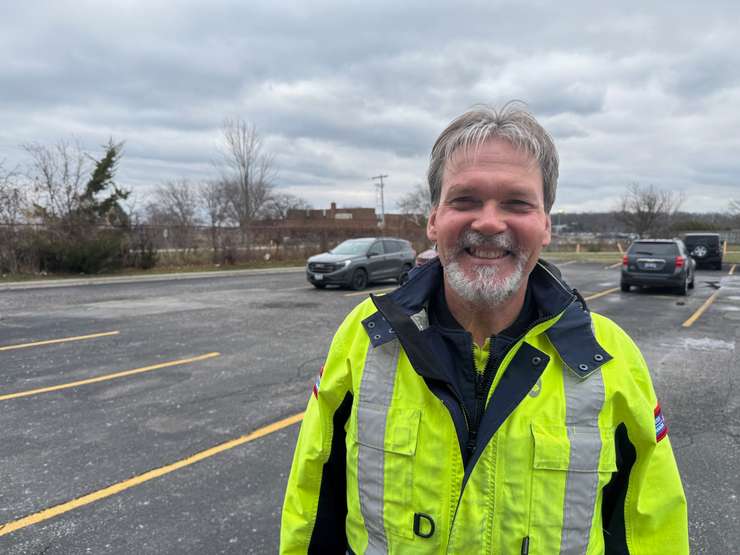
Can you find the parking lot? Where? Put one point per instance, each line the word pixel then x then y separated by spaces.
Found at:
pixel 160 416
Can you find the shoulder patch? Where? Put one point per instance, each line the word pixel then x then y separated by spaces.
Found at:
pixel 317 383
pixel 661 428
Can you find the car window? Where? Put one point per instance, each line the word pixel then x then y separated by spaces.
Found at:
pixel 391 245
pixel 654 249
pixel 709 240
pixel 377 248
pixel 352 246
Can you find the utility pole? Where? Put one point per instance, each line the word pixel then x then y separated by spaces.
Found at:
pixel 382 201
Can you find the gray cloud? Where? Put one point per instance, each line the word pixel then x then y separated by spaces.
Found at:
pixel 342 92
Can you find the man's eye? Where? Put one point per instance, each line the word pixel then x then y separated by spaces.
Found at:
pixel 463 202
pixel 519 204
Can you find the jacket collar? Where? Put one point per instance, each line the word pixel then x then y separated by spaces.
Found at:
pixel 572 335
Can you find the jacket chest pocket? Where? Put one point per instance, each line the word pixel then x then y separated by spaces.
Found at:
pixel 386 447
pixel 570 465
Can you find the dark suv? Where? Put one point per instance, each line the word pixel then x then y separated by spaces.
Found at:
pixel 659 263
pixel 357 262
pixel 705 249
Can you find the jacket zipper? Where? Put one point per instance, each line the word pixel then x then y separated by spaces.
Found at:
pixel 460 403
pixel 483 383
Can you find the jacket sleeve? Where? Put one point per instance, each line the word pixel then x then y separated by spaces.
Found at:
pixel 315 506
pixel 644 508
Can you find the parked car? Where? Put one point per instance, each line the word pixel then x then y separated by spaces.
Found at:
pixel 357 262
pixel 705 249
pixel 658 263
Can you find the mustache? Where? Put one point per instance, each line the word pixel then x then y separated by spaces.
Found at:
pixel 472 238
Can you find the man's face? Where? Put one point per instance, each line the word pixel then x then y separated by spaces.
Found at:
pixel 490 224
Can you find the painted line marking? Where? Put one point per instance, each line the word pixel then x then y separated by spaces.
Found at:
pixel 696 315
pixel 113 376
pixel 613 265
pixel 732 270
pixel 601 294
pixel 566 263
pixel 368 292
pixel 114 489
pixel 62 340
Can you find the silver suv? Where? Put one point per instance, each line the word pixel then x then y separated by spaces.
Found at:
pixel 357 262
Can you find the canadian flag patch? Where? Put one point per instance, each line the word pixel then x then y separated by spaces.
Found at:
pixel 661 428
pixel 317 383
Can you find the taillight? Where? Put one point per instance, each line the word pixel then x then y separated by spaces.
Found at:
pixel 679 261
pixel 624 260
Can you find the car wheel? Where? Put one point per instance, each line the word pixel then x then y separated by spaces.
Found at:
pixel 683 289
pixel 403 277
pixel 700 251
pixel 624 286
pixel 693 279
pixel 318 285
pixel 359 280
pixel 718 266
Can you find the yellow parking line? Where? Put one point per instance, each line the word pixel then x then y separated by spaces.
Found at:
pixel 613 265
pixel 368 292
pixel 600 294
pixel 695 316
pixel 732 270
pixel 62 508
pixel 62 340
pixel 113 376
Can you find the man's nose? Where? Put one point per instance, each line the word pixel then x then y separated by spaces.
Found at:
pixel 490 220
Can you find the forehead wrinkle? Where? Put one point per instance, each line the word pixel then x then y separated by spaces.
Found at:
pixel 468 155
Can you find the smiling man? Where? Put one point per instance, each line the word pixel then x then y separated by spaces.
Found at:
pixel 481 407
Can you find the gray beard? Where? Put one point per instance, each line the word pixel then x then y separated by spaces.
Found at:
pixel 485 288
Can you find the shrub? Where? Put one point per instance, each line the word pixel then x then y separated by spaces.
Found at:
pixel 103 252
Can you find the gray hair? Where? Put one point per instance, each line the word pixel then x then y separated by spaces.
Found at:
pixel 512 123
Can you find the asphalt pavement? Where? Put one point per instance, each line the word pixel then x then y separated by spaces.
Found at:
pixel 160 416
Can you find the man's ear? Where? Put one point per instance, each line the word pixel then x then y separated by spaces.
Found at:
pixel 548 231
pixel 431 225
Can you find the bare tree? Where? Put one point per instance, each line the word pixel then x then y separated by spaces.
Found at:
pixel 214 202
pixel 416 204
pixel 249 172
pixel 212 196
pixel 59 174
pixel 647 210
pixel 13 205
pixel 175 203
pixel 735 210
pixel 175 206
pixel 13 198
pixel 278 205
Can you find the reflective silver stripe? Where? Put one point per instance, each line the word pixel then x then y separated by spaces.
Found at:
pixel 584 399
pixel 376 393
pixel 421 319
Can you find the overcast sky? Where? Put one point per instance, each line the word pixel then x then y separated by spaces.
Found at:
pixel 343 91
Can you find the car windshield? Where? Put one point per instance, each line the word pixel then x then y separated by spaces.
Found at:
pixel 654 249
pixel 353 246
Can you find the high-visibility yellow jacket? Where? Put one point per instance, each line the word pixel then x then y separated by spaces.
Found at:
pixel 567 454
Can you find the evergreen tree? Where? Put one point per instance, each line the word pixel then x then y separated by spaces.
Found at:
pixel 100 201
